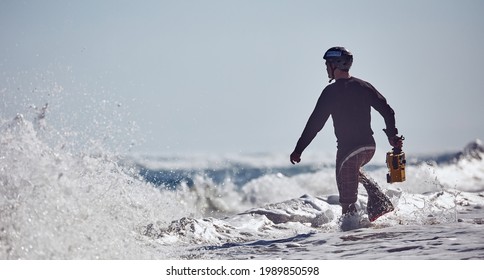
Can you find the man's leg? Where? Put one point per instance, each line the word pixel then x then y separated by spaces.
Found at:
pixel 348 208
pixel 347 176
pixel 378 203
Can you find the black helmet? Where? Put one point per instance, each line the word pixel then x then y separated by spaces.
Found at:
pixel 340 57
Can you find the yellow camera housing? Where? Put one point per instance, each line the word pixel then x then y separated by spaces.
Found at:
pixel 396 167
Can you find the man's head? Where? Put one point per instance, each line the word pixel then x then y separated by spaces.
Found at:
pixel 337 58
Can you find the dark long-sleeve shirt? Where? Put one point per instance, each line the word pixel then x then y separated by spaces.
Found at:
pixel 349 102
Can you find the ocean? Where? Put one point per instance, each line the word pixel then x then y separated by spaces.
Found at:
pixel 63 203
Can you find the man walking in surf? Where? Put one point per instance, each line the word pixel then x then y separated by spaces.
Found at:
pixel 349 101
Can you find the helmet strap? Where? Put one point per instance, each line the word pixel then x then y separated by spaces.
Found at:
pixel 332 72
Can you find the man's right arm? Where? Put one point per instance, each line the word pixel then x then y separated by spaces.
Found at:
pixel 381 105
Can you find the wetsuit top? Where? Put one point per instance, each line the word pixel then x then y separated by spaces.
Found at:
pixel 349 102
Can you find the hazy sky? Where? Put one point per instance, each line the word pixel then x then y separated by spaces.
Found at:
pixel 244 76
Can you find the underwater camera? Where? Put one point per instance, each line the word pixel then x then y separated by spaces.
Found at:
pixel 396 165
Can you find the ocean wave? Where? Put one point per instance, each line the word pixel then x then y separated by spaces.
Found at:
pixel 57 203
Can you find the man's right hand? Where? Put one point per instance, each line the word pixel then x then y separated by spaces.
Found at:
pixel 396 142
pixel 295 158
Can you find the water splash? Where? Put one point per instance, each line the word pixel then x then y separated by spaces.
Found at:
pixel 58 204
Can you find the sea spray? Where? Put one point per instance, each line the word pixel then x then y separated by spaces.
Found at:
pixel 59 204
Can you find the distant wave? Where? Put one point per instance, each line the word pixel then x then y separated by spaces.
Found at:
pixel 159 172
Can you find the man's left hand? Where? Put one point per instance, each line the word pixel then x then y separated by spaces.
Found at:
pixel 295 158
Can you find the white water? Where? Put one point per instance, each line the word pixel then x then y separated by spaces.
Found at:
pixel 60 203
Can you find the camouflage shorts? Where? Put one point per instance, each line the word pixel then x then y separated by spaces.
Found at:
pixel 347 172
